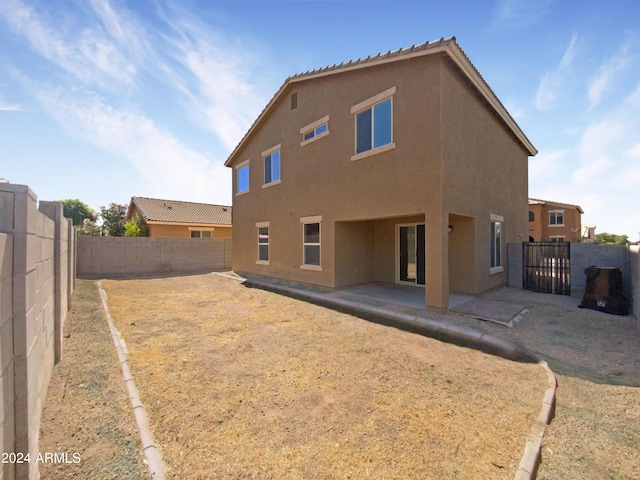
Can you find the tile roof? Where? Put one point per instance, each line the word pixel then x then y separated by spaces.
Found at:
pixel 160 210
pixel 447 46
pixel 537 201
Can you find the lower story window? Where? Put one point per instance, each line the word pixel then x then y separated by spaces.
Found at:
pixel 263 242
pixel 200 233
pixel 496 243
pixel 311 242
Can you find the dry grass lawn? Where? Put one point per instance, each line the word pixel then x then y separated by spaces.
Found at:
pixel 243 383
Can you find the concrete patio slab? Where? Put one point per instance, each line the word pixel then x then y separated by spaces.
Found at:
pixel 505 313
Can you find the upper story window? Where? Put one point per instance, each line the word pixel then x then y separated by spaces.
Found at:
pixel 242 177
pixel 556 217
pixel 271 159
pixel 374 124
pixel 532 216
pixel 315 130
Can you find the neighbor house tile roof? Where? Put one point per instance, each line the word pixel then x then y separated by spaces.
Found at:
pixel 174 211
pixel 537 201
pixel 448 47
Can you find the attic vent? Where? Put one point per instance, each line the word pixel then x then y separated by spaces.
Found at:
pixel 294 100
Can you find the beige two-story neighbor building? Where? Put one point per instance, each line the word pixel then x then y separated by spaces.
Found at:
pixel 555 222
pixel 401 168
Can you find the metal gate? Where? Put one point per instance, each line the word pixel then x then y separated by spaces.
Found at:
pixel 546 267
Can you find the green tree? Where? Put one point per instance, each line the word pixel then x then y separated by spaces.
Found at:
pixel 82 216
pixel 77 211
pixel 113 219
pixel 611 239
pixel 136 227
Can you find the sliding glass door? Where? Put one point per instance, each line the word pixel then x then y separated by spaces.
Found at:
pixel 410 254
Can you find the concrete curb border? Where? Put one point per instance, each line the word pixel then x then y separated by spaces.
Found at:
pixel 530 461
pixel 151 451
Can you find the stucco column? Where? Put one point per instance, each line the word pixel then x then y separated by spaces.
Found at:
pixel 437 261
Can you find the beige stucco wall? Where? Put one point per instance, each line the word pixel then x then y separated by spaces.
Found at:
pixel 485 172
pixel 362 201
pixel 183 230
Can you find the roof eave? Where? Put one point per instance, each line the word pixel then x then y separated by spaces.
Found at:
pixel 191 224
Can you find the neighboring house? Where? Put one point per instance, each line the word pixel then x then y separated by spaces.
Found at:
pixel 172 218
pixel 554 221
pixel 401 168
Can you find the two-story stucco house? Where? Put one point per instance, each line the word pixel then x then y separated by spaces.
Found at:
pixel 555 222
pixel 402 168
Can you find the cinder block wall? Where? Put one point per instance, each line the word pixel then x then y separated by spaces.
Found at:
pixel 7 424
pixel 514 265
pixel 634 254
pixel 584 255
pixel 113 257
pixel 35 256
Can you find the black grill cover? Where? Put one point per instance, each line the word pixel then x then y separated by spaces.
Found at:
pixel 603 291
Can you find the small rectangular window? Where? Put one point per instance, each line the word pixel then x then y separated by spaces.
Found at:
pixel 201 234
pixel 311 244
pixel 374 124
pixel 263 244
pixel 315 130
pixel 556 217
pixel 496 244
pixel 272 167
pixel 382 123
pixel 271 160
pixel 242 177
pixel 364 135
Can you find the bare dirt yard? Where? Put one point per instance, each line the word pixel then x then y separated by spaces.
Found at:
pixel 87 410
pixel 243 383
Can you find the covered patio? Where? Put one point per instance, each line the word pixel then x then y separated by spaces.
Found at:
pixel 399 294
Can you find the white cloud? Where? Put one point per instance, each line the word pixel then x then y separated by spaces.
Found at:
pixel 547 164
pixel 214 75
pixel 601 139
pixel 633 100
pixel 600 82
pixel 552 82
pixel 107 47
pixel 87 54
pixel 628 176
pixel 9 107
pixel 593 173
pixel 517 13
pixel 514 109
pixel 166 167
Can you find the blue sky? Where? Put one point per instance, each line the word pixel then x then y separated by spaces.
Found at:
pixel 105 99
